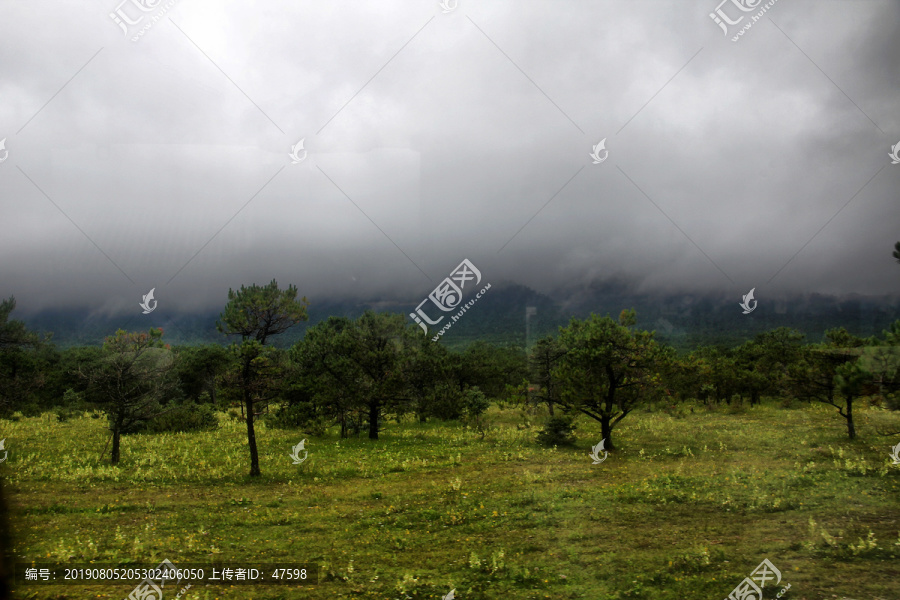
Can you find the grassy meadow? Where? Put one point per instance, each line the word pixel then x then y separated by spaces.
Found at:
pixel 686 507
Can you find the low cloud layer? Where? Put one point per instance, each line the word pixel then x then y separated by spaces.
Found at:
pixel 431 137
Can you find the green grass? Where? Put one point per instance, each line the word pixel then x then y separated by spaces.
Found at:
pixel 685 508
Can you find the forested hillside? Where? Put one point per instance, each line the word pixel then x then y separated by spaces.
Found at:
pixel 682 321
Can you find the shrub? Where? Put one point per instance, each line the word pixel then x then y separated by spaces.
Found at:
pixel 63 413
pixel 72 404
pixel 181 418
pixel 446 403
pixel 73 399
pixel 559 431
pixel 677 411
pixel 300 415
pixel 31 409
pixel 735 408
pixel 789 402
pixel 474 405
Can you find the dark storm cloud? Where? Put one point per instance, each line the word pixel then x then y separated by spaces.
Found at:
pixel 435 137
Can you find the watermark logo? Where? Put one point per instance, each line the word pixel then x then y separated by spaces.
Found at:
pixel 447 296
pixel 134 16
pixel 451 595
pixel 295 153
pixel 5 452
pixel 895 153
pixel 765 572
pixel 448 5
pixel 748 298
pixel 723 20
pixel 600 147
pixel 148 588
pixel 6 152
pixel 894 455
pixel 123 20
pixel 751 587
pixel 148 297
pixel 596 450
pixel 296 452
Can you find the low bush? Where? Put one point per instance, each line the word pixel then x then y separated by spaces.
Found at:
pixel 301 415
pixel 559 431
pixel 180 418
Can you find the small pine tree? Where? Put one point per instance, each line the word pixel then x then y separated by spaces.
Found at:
pixel 559 431
pixel 475 405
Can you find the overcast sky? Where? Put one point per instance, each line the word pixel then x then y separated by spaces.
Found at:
pixel 432 136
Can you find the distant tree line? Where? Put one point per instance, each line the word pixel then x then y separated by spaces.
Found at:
pixel 358 374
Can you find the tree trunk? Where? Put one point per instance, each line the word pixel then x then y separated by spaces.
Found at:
pixel 251 439
pixel 344 433
pixel 550 407
pixel 851 428
pixel 606 432
pixel 373 420
pixel 117 433
pixel 251 430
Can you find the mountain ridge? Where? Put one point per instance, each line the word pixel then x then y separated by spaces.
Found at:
pixel 499 316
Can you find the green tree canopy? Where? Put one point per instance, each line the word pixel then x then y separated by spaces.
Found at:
pixel 609 368
pixel 130 379
pixel 257 313
pixel 260 312
pixel 13 333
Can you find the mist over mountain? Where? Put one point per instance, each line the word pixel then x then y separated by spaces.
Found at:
pixel 682 320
